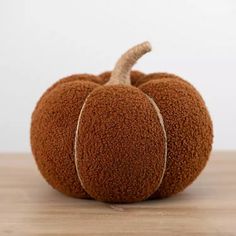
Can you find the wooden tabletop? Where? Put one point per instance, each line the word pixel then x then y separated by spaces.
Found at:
pixel 28 206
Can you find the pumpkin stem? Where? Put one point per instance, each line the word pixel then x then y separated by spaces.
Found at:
pixel 121 72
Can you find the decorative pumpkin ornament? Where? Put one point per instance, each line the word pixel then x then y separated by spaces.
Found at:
pixel 122 136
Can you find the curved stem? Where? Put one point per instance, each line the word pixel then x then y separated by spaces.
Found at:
pixel 121 72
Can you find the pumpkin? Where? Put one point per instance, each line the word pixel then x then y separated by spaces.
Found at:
pixel 121 136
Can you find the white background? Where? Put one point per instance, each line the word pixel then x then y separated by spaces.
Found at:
pixel 42 41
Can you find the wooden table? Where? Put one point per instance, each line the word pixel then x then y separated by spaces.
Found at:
pixel 28 206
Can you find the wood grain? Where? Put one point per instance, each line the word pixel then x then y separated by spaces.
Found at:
pixel 28 206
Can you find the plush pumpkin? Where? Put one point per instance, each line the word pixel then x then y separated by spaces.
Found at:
pixel 122 136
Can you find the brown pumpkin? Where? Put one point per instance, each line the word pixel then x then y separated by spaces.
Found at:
pixel 122 136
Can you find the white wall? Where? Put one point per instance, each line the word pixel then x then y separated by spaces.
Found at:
pixel 42 41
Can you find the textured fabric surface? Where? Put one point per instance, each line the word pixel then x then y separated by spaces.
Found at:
pixel 120 145
pixel 53 127
pixel 154 76
pixel 77 77
pixel 188 127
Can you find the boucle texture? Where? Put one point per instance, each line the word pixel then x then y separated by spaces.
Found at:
pixel 189 131
pixel 122 136
pixel 53 127
pixel 120 146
